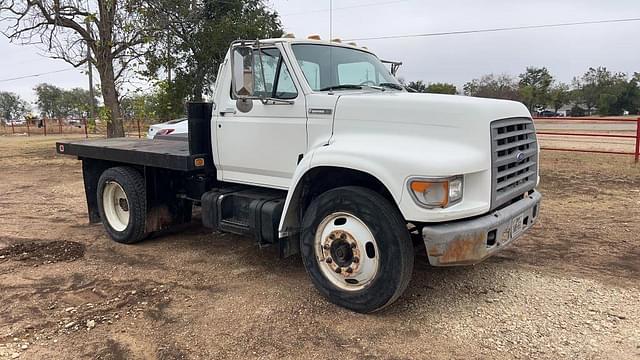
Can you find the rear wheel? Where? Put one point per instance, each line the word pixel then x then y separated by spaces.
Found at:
pixel 122 204
pixel 356 249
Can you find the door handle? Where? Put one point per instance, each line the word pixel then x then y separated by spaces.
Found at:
pixel 227 111
pixel 320 111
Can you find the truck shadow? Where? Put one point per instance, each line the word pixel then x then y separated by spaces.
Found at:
pixel 194 250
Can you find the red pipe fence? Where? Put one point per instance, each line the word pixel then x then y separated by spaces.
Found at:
pixel 132 127
pixel 636 153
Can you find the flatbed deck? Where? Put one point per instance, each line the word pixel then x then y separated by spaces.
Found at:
pixel 165 154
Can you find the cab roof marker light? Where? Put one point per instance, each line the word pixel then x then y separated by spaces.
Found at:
pixel 337 40
pixel 313 37
pixel 352 44
pixel 289 36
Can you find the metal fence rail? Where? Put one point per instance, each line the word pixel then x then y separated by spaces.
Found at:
pixel 132 127
pixel 587 120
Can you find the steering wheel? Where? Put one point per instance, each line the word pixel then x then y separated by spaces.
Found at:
pixel 367 82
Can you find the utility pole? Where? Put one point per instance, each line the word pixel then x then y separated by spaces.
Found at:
pixel 168 57
pixel 92 110
pixel 330 20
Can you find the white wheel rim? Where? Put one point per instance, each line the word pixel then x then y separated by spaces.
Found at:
pixel 116 206
pixel 346 251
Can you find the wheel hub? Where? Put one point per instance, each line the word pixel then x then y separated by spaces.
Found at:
pixel 340 250
pixel 342 253
pixel 341 243
pixel 124 205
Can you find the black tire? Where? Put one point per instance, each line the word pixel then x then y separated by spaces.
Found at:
pixel 393 240
pixel 133 185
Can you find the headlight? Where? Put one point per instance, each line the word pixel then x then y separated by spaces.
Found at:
pixel 437 192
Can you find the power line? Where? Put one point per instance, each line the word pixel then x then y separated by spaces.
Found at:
pixel 345 7
pixel 22 62
pixel 35 75
pixel 497 29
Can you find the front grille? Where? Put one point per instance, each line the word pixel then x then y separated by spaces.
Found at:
pixel 515 159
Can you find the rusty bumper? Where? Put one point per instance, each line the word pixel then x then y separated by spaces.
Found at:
pixel 468 242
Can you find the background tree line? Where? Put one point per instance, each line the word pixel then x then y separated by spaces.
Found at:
pixel 52 101
pixel 177 46
pixel 598 90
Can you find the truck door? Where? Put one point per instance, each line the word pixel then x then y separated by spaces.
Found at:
pixel 262 146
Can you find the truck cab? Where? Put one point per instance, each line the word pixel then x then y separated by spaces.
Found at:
pixel 316 148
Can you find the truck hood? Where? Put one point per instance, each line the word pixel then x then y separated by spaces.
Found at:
pixel 394 107
pixel 451 133
pixel 397 136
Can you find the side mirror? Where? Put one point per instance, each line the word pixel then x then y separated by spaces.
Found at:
pixel 242 71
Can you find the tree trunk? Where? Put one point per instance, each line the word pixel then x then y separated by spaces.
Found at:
pixel 115 126
pixel 104 62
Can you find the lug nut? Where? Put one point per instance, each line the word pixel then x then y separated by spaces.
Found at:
pixel 326 246
pixel 353 245
pixel 329 260
pixel 338 270
pixel 343 236
pixel 356 259
pixel 332 236
pixel 349 270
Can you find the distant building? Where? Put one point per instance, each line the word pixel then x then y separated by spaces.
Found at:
pixel 572 109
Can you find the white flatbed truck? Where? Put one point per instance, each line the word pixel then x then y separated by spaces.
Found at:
pixel 314 147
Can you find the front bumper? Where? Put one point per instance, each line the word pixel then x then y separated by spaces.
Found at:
pixel 468 242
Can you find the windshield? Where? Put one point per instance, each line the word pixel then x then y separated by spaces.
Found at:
pixel 329 67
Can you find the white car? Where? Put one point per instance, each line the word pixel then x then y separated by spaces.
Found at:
pixel 17 122
pixel 175 126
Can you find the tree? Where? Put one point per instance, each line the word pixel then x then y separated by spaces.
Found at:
pixel 612 93
pixel 634 83
pixel 601 88
pixel 628 95
pixel 493 86
pixel 76 102
pixel 139 106
pixel 559 96
pixel 55 102
pixel 49 101
pixel 418 86
pixel 192 38
pixel 163 103
pixel 442 88
pixel 12 106
pixel 534 87
pixel 112 29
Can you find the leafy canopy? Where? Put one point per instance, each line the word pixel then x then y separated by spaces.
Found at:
pixel 194 36
pixel 12 106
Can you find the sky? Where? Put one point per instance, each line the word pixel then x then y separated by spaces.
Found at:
pixel 566 51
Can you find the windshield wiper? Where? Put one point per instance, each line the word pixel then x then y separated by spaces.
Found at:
pixel 391 85
pixel 344 86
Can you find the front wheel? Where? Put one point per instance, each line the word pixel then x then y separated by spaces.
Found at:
pixel 356 249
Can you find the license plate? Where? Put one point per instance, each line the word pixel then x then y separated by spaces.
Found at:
pixel 517 225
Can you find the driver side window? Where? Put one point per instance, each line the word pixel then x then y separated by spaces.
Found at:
pixel 272 77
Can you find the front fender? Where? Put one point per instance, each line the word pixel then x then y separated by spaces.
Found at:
pixel 393 159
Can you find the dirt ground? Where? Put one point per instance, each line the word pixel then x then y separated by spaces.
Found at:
pixel 568 289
